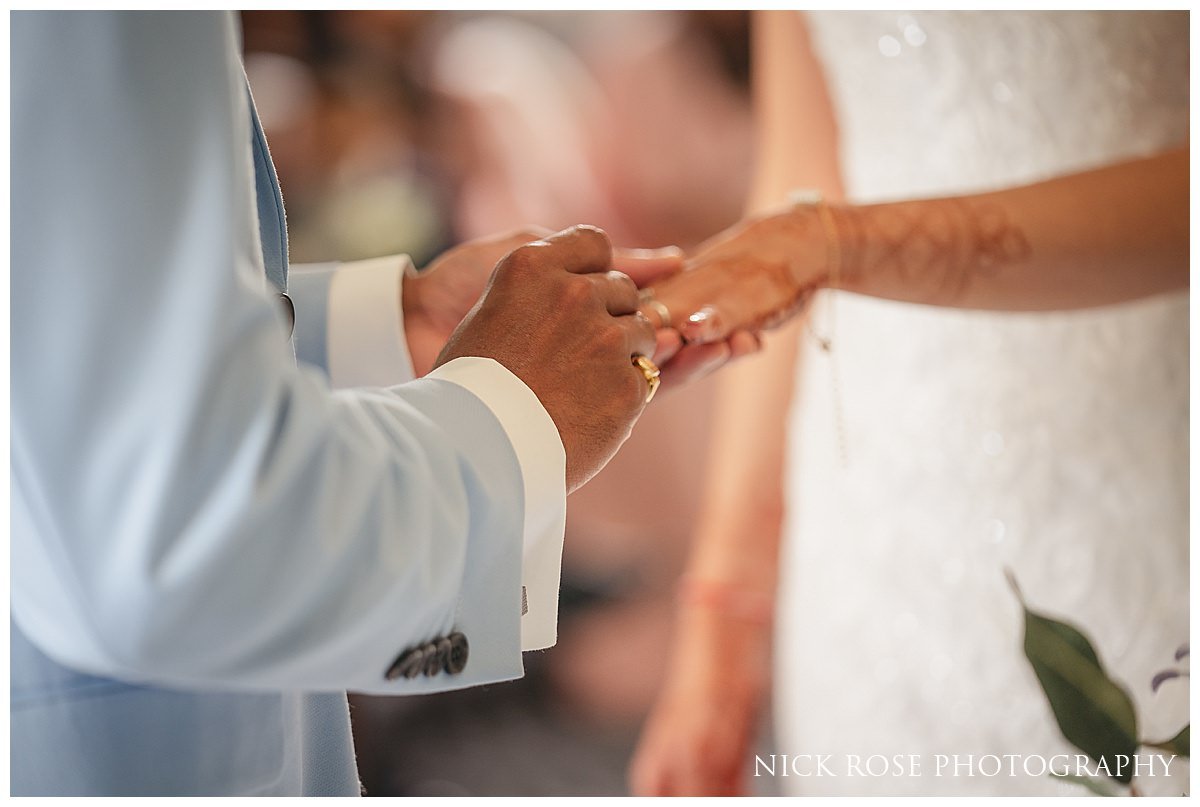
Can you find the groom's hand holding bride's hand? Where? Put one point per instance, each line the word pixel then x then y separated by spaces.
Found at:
pixel 680 362
pixel 753 276
pixel 438 298
pixel 560 314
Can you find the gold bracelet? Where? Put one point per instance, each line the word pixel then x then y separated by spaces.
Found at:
pixel 833 251
pixel 833 245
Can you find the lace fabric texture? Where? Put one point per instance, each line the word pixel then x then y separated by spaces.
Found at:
pixel 1055 445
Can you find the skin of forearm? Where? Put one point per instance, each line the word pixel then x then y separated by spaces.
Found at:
pixel 740 521
pixel 744 501
pixel 1089 239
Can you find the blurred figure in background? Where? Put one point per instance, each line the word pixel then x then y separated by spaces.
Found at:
pixel 636 121
pixel 348 119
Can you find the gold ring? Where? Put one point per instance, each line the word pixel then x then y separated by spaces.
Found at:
pixel 648 300
pixel 650 371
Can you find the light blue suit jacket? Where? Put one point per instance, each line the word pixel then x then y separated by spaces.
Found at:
pixel 208 546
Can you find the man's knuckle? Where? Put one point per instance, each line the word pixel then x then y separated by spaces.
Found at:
pixel 594 237
pixel 522 259
pixel 621 280
pixel 579 290
pixel 591 231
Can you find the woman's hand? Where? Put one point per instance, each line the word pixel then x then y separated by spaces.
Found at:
pixel 699 737
pixel 753 276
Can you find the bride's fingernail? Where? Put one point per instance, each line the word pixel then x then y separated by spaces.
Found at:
pixel 701 326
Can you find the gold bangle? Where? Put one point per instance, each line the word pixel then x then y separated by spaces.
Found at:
pixel 833 245
pixel 833 251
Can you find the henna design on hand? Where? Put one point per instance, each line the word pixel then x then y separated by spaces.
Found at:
pixel 934 248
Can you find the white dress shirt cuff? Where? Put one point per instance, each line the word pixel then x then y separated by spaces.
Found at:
pixel 540 452
pixel 366 341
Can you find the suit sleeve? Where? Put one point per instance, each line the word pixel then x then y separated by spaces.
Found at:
pixel 190 506
pixel 349 323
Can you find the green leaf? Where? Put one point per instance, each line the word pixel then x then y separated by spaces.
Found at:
pixel 1097 786
pixel 1180 744
pixel 1093 712
pixel 1068 634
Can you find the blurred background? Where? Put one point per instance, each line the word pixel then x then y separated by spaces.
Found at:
pixel 411 131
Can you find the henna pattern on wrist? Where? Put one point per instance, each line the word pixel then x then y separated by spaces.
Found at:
pixel 931 249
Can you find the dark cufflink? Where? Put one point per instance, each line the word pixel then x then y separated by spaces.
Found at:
pixel 289 312
pixel 442 649
pixel 408 664
pixel 433 660
pixel 456 656
pixel 448 654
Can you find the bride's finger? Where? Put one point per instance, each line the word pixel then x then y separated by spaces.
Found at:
pixel 685 363
pixel 744 343
pixel 694 361
pixel 704 326
pixel 647 266
pixel 668 344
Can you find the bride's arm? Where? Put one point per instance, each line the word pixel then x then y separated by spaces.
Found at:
pixel 1087 239
pixel 700 733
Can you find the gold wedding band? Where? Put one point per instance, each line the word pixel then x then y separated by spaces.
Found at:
pixel 650 371
pixel 647 299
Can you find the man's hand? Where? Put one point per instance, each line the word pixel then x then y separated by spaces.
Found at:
pixel 556 315
pixel 438 298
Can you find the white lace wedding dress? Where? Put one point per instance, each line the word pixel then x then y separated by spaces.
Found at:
pixel 1053 444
